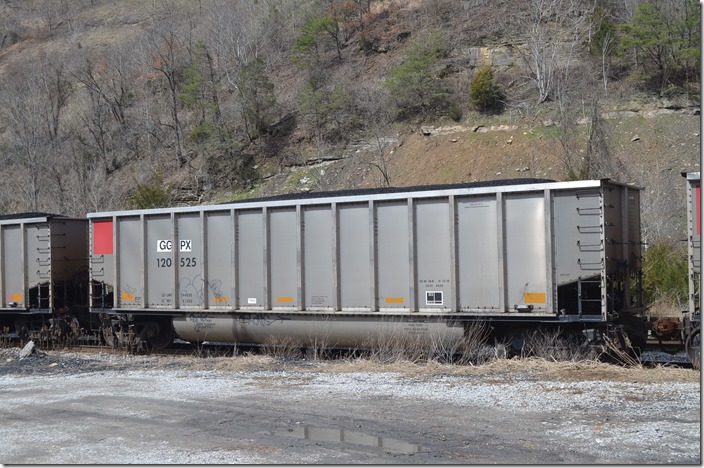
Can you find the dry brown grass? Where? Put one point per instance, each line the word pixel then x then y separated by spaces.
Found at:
pixel 576 371
pixel 498 370
pixel 393 346
pixel 533 368
pixel 555 346
pixel 247 362
pixel 666 307
pixel 282 347
pixel 547 355
pixel 372 365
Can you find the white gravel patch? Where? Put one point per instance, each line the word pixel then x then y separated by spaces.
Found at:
pixel 658 421
pixel 518 395
pixel 604 439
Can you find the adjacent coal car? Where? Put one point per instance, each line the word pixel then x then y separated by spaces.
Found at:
pixel 43 275
pixel 344 268
pixel 692 316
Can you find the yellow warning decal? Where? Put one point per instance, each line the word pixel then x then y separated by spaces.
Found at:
pixel 534 298
pixel 284 299
pixel 221 299
pixel 128 296
pixel 394 299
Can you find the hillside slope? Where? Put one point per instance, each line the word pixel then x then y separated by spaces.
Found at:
pixel 651 147
pixel 111 105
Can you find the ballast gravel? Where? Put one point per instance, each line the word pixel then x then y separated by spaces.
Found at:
pixel 73 408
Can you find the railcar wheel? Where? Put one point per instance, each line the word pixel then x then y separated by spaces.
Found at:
pixel 694 348
pixel 65 330
pixel 23 331
pixel 514 340
pixel 163 335
pixel 107 333
pixel 154 335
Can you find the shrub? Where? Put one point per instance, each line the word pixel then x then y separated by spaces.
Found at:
pixel 153 194
pixel 327 109
pixel 454 112
pixel 415 84
pixel 484 92
pixel 202 132
pixel 665 273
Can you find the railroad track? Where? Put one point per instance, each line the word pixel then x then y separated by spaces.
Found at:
pixel 653 355
pixel 177 349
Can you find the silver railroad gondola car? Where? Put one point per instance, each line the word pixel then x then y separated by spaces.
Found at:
pixel 346 266
pixel 43 275
pixel 692 316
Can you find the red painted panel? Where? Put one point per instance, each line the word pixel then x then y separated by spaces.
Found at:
pixel 102 237
pixel 699 209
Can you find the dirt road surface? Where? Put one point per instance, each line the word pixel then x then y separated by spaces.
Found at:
pixel 72 408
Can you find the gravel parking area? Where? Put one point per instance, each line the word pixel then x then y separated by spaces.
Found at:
pixel 69 408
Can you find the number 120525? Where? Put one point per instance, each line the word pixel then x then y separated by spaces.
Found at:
pixel 184 262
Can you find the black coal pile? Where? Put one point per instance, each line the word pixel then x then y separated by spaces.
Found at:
pixel 32 361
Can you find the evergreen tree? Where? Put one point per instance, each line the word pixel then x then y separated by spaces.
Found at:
pixel 484 92
pixel 415 84
pixel 663 42
pixel 257 101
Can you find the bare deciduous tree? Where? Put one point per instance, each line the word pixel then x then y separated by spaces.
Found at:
pixel 584 137
pixel 603 42
pixel 24 113
pixel 96 119
pixel 378 113
pixel 165 61
pixel 555 31
pixel 56 90
pixel 165 52
pixel 109 83
pixel 106 96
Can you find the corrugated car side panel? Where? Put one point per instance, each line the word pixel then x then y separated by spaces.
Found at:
pixel 480 272
pixel 13 258
pixel 433 254
pixel 392 255
pixel 320 278
pixel 188 260
pixel 524 224
pixel 250 264
pixel 220 258
pixel 130 289
pixel 356 250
